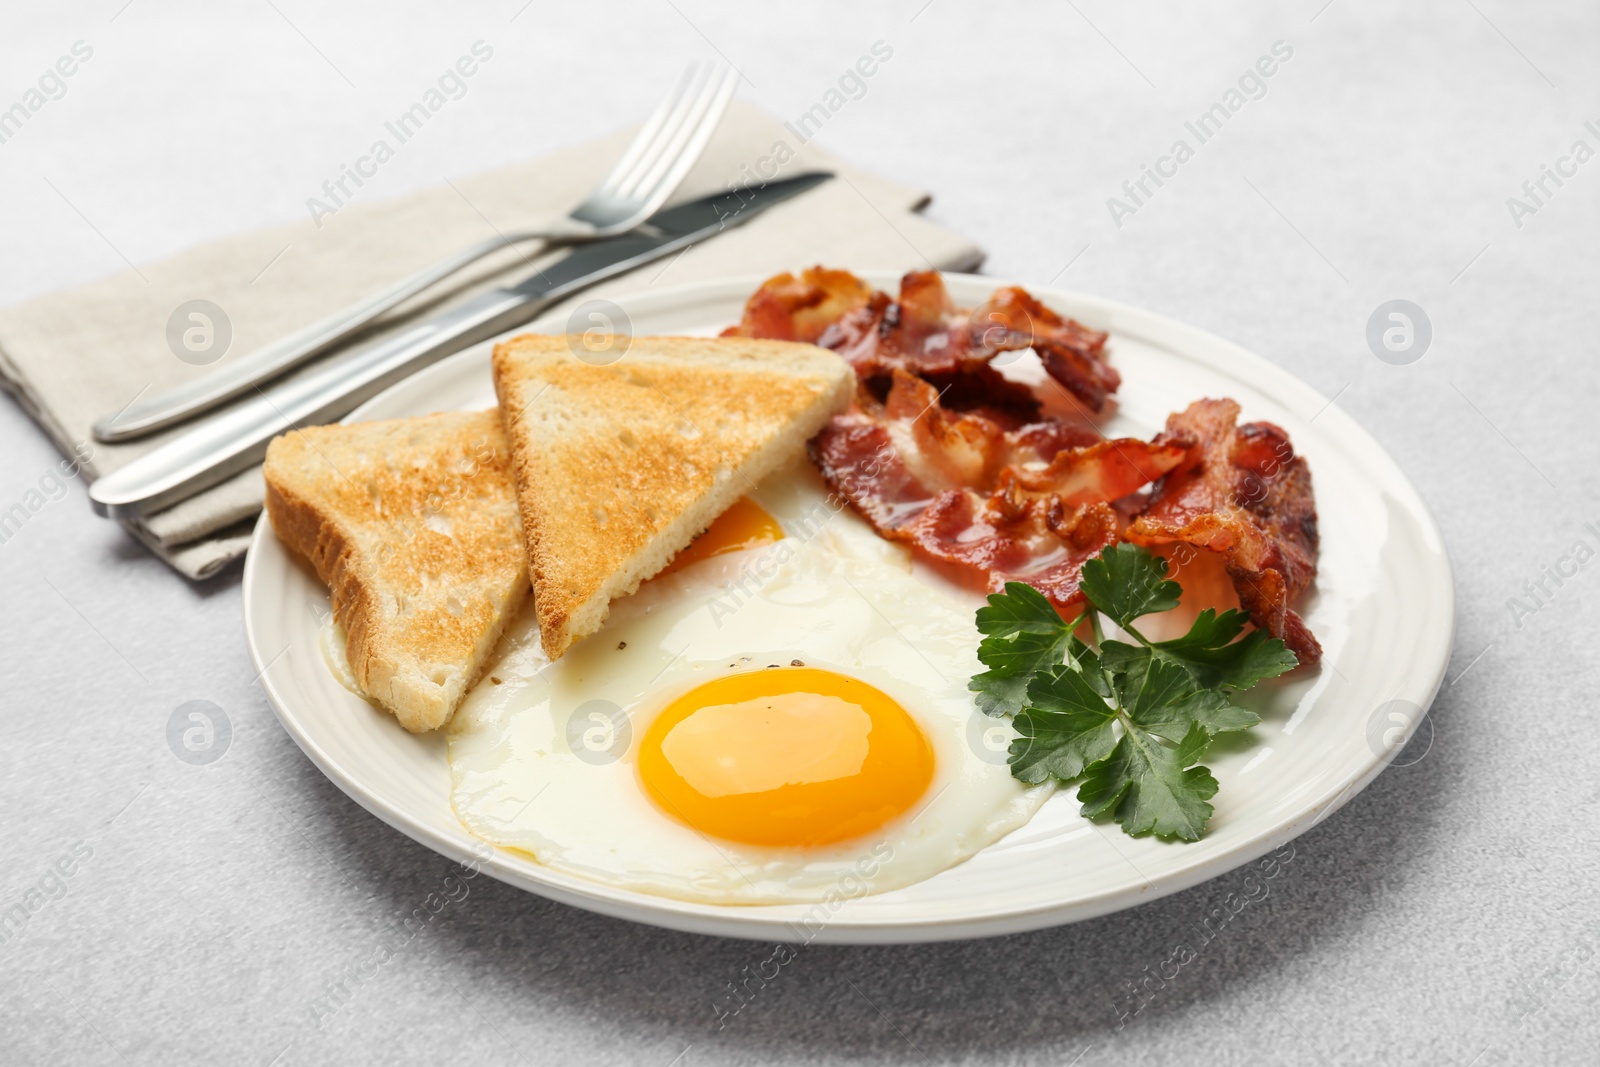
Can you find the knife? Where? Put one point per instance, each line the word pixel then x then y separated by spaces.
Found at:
pixel 232 440
pixel 183 402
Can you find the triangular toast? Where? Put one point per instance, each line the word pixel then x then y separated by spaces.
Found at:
pixel 413 525
pixel 620 465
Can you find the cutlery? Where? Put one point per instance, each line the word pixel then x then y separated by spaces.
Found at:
pixel 232 440
pixel 651 167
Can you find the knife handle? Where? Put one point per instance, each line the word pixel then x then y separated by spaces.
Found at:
pixel 220 446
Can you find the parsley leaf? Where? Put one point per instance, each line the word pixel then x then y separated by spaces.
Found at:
pixel 1211 630
pixel 1020 609
pixel 1066 727
pixel 1118 656
pixel 1148 686
pixel 1025 636
pixel 1126 581
pixel 1214 713
pixel 1211 655
pixel 1164 700
pixel 1013 661
pixel 1128 721
pixel 1142 778
pixel 1150 787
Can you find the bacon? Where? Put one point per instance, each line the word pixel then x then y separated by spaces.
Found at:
pixel 1244 494
pixel 787 308
pixel 944 449
pixel 982 390
pixel 1040 541
pixel 1044 439
pixel 947 448
pixel 945 453
pixel 1007 505
pixel 923 332
pixel 1072 354
pixel 914 333
pixel 859 460
pixel 1104 471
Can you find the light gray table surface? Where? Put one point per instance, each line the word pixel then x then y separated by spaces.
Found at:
pixel 1448 915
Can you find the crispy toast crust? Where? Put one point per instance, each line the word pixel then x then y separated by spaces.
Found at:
pixel 620 466
pixel 412 523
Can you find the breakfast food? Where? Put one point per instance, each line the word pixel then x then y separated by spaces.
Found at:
pixel 1031 503
pixel 946 453
pixel 412 523
pixel 772 725
pixel 922 332
pixel 619 465
pixel 780 707
pixel 1243 493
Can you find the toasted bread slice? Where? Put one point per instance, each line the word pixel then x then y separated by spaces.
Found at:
pixel 413 525
pixel 620 466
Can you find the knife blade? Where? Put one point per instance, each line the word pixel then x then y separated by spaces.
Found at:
pixel 223 444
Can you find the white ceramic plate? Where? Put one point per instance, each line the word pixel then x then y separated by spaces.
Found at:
pixel 1383 609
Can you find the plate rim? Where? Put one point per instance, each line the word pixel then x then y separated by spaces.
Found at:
pixel 743 922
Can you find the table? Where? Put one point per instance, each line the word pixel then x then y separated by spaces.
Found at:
pixel 246 911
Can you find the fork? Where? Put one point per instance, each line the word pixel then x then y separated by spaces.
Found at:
pixel 648 172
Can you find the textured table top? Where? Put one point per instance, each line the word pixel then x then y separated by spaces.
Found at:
pixel 247 910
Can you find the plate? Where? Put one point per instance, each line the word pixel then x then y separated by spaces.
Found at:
pixel 1383 609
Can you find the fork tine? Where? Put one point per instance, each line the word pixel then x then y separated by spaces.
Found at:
pixel 649 132
pixel 669 133
pixel 690 140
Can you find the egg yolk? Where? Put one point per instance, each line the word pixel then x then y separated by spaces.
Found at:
pixel 788 756
pixel 744 525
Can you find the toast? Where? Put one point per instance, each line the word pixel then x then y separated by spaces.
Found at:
pixel 620 466
pixel 413 525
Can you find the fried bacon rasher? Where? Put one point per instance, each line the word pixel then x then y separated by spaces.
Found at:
pixel 1244 494
pixel 1030 504
pixel 947 454
pixel 923 332
pixel 790 308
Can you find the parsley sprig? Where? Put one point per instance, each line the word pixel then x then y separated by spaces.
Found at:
pixel 1130 722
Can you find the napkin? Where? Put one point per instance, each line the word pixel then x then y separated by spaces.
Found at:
pixel 72 356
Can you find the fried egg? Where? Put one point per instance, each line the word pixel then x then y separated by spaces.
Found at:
pixel 781 715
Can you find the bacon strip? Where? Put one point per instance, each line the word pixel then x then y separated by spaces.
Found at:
pixel 1010 505
pixel 1104 471
pixel 923 332
pixel 1072 354
pixel 1041 542
pixel 787 308
pixel 1242 493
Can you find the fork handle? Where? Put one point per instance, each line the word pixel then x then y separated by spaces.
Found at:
pixel 146 416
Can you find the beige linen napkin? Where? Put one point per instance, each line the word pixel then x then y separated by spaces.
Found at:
pixel 70 357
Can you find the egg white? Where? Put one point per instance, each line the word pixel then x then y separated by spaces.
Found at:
pixel 543 755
